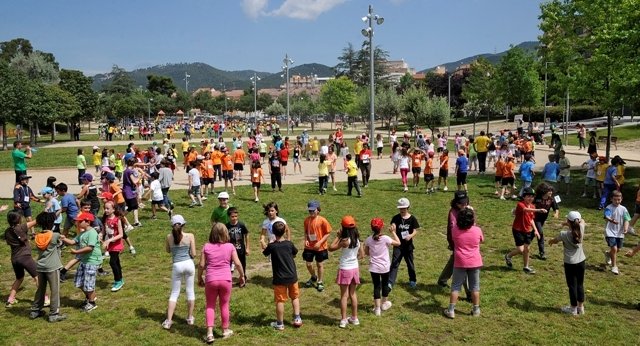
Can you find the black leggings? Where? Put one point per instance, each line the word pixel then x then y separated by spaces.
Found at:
pixel 574 273
pixel 365 168
pixel 276 179
pixel 114 262
pixel 380 283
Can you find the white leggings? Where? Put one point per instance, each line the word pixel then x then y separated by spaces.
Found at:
pixel 182 269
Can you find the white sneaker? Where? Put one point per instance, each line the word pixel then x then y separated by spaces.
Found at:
pixel 502 198
pixel 129 228
pixel 631 230
pixel 377 312
pixel 607 258
pixel 580 310
pixel 233 267
pixel 584 195
pixel 449 313
pixel 615 270
pixel 386 305
pixel 354 321
pixel 343 323
pixel 445 189
pixel 569 310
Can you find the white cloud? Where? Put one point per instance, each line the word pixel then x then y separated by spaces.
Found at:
pixel 298 9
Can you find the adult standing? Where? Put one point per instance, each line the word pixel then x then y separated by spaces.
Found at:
pixel 130 189
pixel 19 157
pixel 481 146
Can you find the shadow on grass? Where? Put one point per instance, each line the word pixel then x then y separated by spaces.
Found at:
pixel 613 304
pixel 178 326
pixel 260 320
pixel 596 267
pixel 321 319
pixel 529 306
pixel 497 268
pixel 424 307
pixel 260 280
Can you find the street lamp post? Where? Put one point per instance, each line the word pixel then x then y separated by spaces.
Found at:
pixel 368 32
pixel 255 80
pixel 186 81
pixel 449 98
pixel 287 61
pixel 544 118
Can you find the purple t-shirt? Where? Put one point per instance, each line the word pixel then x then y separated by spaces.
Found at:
pixel 218 261
pixel 128 187
pixel 466 251
pixel 379 254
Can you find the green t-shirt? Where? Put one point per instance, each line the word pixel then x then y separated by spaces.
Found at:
pixel 49 258
pixel 19 163
pixel 81 162
pixel 219 214
pixel 89 238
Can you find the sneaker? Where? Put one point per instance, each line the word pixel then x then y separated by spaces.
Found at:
pixel 167 324
pixel 277 326
pixel 343 323
pixel 128 229
pixel 386 305
pixel 36 314
pixel 102 272
pixel 311 281
pixel 233 267
pixel 297 322
pixel 580 310
pixel 475 312
pixel 570 310
pixel 529 270
pixel 334 189
pixel 607 258
pixel 89 307
pixel 117 286
pixel 615 270
pixel 508 261
pixel 192 205
pixel 63 277
pixel 204 199
pixel 209 339
pixel 542 257
pixel 584 195
pixel 227 333
pixel 137 224
pixel 413 284
pixel 631 230
pixel 132 250
pixel 57 318
pixel 256 200
pixel 377 311
pixel 449 313
pixel 354 320
pixel 390 285
pixel 502 198
pixel 320 287
pixel 191 320
pixel 443 284
pixel 514 196
pixel 445 189
pixel 153 217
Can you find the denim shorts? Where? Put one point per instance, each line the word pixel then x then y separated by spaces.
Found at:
pixel 86 277
pixel 612 241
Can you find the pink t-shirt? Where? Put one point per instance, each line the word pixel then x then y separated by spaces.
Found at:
pixel 218 261
pixel 379 254
pixel 466 251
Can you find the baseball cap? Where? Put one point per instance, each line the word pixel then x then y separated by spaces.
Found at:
pixel 87 177
pixel 528 192
pixel 24 176
pixel 313 205
pixel 223 194
pixel 110 176
pixel 106 195
pixel 95 147
pixel 177 219
pixel 45 190
pixel 403 203
pixel 199 157
pixel 460 196
pixel 85 216
pixel 377 223
pixel 348 221
pixel 573 216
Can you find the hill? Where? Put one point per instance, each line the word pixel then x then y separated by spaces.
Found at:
pixel 202 75
pixel 529 46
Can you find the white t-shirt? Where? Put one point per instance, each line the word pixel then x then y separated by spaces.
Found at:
pixel 591 168
pixel 324 150
pixel 195 177
pixel 156 190
pixel 268 224
pixel 349 257
pixel 403 162
pixel 619 214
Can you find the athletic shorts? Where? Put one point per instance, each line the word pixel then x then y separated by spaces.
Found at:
pixel 26 211
pixel 590 182
pixel 428 177
pixel 508 181
pixel 564 179
pixel 263 155
pixel 227 175
pixel 439 150
pixel 121 207
pixel 443 173
pixel 461 178
pixel 195 190
pixel 255 184
pixel 160 202
pixel 281 292
pixel 86 277
pixel 207 181
pixel 132 203
pixel 498 179
pixel 617 242
pixel 283 163
pixel 22 264
pixel 309 255
pixel 416 170
pixel 238 167
pixel 522 238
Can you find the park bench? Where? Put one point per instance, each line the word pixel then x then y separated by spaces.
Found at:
pixel 603 139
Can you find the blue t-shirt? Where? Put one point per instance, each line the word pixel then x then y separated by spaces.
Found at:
pixel 550 171
pixel 69 201
pixel 610 175
pixel 526 171
pixel 55 206
pixel 463 164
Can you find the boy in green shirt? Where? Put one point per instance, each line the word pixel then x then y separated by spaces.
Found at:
pixel 219 213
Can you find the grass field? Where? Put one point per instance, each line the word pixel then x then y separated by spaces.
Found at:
pixel 624 133
pixel 516 308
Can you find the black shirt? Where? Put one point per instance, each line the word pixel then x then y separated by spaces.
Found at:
pixel 237 233
pixel 282 265
pixel 547 204
pixel 409 225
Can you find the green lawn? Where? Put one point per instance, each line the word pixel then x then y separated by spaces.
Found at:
pixel 516 308
pixel 624 133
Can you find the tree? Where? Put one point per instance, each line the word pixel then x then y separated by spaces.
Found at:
pixel 161 85
pixel 406 81
pixel 275 109
pixel 121 83
pixel 355 65
pixel 518 81
pixel 388 106
pixel 79 86
pixel 437 113
pixel 9 49
pixel 337 95
pixel 56 105
pixel 16 94
pixel 480 91
pixel 414 107
pixel 349 65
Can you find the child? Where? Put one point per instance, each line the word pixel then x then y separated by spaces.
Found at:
pixel 348 239
pixel 404 166
pixel 69 206
pixel 16 236
pixel 227 170
pixel 428 173
pixel 22 196
pixel 462 167
pixel 257 177
pixel 590 179
pixel 352 176
pixel 52 206
pixel 544 200
pixel 111 237
pixel 508 178
pixel 636 213
pixel 274 171
pixel 323 174
pixel 332 160
pixel 443 173
pixel 406 227
pixel 97 158
pixel 297 154
pixel 239 237
pixel 81 165
pixel 271 211
pixel 610 182
pixel 550 171
pixel 207 173
pixel 220 213
pixel 194 185
pixel 601 171
pixel 524 229
pixel 616 227
pixel 574 261
pixel 416 164
pixel 157 198
pixel 526 173
pixel 48 266
pixel 499 165
pixel 377 248
pixel 467 261
pixel 239 159
pixel 565 172
pixel 88 247
pixel 285 278
pixel 316 232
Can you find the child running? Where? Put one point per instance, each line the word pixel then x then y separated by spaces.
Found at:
pixel 257 177
pixel 348 240
pixel 377 248
pixel 617 217
pixel 524 229
pixel 323 174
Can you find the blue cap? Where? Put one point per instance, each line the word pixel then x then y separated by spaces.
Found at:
pixel 313 205
pixel 46 189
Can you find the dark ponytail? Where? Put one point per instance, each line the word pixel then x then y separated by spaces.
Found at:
pixel 176 231
pixel 576 233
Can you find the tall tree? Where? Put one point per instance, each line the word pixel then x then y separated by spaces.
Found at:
pixel 275 109
pixel 336 96
pixel 388 106
pixel 161 85
pixel 414 107
pixel 480 91
pixel 355 65
pixel 16 94
pixel 79 86
pixel 518 80
pixel 9 49
pixel 121 83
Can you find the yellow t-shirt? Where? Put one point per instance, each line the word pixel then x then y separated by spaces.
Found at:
pixel 315 145
pixel 185 146
pixel 357 147
pixel 97 158
pixel 352 169
pixel 323 169
pixel 481 143
pixel 620 175
pixel 601 171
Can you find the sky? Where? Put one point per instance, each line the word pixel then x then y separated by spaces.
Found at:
pixel 92 36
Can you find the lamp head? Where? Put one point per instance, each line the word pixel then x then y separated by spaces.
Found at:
pixel 366 32
pixel 365 18
pixel 379 20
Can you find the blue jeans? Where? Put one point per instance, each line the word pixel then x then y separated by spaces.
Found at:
pixel 606 191
pixel 165 197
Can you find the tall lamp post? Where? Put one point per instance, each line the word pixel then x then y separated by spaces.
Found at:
pixel 544 119
pixel 368 32
pixel 449 98
pixel 255 80
pixel 186 81
pixel 287 61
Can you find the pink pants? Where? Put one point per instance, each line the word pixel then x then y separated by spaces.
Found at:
pixel 214 290
pixel 403 173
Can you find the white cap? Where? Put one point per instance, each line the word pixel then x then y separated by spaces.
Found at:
pixel 96 147
pixel 573 216
pixel 199 157
pixel 177 219
pixel 403 203
pixel 223 194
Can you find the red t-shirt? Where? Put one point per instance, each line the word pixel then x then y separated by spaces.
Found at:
pixel 284 154
pixel 523 221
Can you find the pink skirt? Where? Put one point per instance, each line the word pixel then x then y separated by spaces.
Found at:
pixel 348 276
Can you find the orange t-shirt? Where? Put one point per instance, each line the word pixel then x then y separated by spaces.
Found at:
pixel 444 161
pixel 256 175
pixel 315 228
pixel 114 189
pixel 507 169
pixel 227 162
pixel 216 157
pixel 193 155
pixel 238 156
pixel 206 169
pixel 416 159
pixel 428 166
pixel 499 168
pixel 526 147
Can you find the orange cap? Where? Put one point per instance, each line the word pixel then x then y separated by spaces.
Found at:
pixel 348 221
